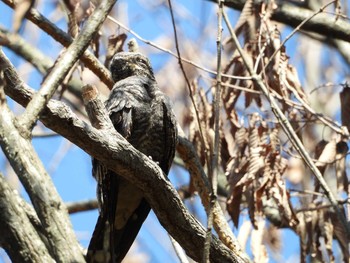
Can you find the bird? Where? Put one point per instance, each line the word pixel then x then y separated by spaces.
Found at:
pixel 143 115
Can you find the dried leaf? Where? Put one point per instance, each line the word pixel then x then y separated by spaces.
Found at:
pixel 73 28
pixel 345 106
pixel 274 140
pixel 234 204
pixel 340 234
pixel 22 7
pixel 328 154
pixel 340 166
pixel 115 44
pixel 328 237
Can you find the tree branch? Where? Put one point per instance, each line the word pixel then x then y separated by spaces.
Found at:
pixel 60 36
pixel 47 202
pixel 17 235
pixel 34 56
pixel 293 15
pixel 81 206
pixel 200 180
pixel 64 64
pixel 119 156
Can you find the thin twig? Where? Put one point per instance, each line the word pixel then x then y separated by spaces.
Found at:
pixel 82 206
pixel 213 168
pixel 319 207
pixel 185 75
pixel 172 53
pixel 288 129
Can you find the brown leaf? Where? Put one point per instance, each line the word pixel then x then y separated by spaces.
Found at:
pixel 328 154
pixel 253 213
pixel 340 234
pixel 73 28
pixel 345 106
pixel 340 166
pixel 115 45
pixel 234 204
pixel 22 7
pixel 328 237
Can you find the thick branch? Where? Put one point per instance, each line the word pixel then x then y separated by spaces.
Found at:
pixel 60 36
pixel 17 235
pixel 293 15
pixel 119 156
pixel 64 64
pixel 47 202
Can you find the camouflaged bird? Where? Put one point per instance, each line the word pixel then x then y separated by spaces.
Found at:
pixel 142 114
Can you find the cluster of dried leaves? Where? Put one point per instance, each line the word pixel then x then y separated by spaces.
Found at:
pixel 260 169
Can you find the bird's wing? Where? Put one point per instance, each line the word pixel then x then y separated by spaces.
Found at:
pixel 170 128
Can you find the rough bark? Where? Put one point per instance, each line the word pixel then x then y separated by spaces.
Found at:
pixel 119 156
pixel 292 15
pixel 17 234
pixel 62 37
pixel 53 215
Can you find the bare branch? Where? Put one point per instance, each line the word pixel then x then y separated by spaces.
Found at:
pixel 293 15
pixel 17 235
pixel 47 202
pixel 81 206
pixel 64 64
pixel 200 180
pixel 88 58
pixel 119 156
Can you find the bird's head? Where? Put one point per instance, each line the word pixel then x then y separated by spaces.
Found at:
pixel 127 64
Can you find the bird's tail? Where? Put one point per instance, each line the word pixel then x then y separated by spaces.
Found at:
pixel 110 245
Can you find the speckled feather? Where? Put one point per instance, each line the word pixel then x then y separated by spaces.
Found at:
pixel 143 115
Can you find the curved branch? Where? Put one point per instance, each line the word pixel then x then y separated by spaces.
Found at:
pixel 63 64
pixel 63 244
pixel 119 156
pixel 17 235
pixel 60 36
pixel 293 15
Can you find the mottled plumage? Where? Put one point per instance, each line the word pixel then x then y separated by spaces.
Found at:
pixel 142 114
